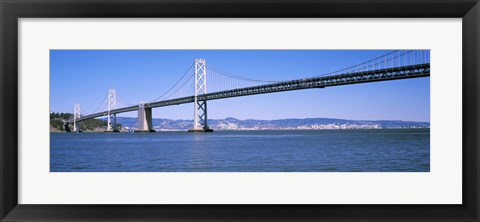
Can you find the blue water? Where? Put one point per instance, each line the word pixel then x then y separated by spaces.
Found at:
pixel 379 150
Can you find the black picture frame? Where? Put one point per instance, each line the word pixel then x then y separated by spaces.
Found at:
pixel 12 10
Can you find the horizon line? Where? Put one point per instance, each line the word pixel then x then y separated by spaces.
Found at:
pixel 283 119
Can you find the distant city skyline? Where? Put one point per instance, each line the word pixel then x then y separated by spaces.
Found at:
pixel 85 76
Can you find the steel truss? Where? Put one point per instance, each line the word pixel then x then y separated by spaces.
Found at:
pixel 403 72
pixel 112 105
pixel 76 117
pixel 200 106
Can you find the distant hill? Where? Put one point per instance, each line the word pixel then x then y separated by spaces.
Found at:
pixel 251 124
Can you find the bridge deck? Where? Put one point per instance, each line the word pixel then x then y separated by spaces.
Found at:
pixel 402 72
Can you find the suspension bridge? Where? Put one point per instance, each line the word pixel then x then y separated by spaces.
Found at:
pixel 192 88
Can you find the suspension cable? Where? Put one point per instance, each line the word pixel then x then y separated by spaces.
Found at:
pixel 104 99
pixel 180 87
pixel 174 84
pixel 357 65
pixel 221 72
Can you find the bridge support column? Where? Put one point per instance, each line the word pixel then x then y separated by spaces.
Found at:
pixel 112 123
pixel 200 119
pixel 77 128
pixel 112 117
pixel 144 123
pixel 76 115
pixel 200 106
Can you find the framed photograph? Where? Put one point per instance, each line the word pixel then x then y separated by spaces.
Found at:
pixel 317 110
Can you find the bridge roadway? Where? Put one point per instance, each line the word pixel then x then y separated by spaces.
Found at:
pixel 402 72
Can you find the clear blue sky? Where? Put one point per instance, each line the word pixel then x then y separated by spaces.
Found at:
pixel 84 77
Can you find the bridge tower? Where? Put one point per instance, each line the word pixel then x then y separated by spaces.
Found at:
pixel 200 105
pixel 112 117
pixel 76 115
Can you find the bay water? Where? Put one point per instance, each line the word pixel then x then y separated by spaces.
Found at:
pixel 370 150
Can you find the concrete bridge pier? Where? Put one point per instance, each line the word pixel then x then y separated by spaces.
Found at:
pixel 144 123
pixel 77 128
